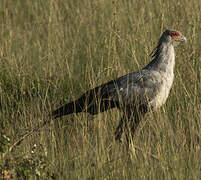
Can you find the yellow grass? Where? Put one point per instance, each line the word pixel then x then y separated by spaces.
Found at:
pixel 53 51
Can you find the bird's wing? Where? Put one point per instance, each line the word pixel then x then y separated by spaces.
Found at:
pixel 137 87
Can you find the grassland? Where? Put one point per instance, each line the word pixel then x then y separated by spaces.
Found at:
pixel 52 51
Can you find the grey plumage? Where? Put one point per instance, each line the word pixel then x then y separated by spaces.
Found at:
pixel 135 93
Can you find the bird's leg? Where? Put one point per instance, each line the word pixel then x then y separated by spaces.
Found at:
pixel 123 125
pixel 129 123
pixel 134 116
pixel 119 129
pixel 131 126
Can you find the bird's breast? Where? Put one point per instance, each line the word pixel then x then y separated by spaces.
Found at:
pixel 162 91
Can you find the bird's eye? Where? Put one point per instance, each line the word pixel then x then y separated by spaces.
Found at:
pixel 173 33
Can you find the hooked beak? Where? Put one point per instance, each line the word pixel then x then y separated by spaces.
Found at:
pixel 182 39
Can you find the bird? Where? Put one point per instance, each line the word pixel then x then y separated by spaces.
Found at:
pixel 134 94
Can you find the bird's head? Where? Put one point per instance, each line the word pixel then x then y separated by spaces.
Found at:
pixel 172 36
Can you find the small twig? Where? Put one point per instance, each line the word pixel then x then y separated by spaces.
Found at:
pixel 37 128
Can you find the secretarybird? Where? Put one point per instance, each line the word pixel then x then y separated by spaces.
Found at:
pixel 135 93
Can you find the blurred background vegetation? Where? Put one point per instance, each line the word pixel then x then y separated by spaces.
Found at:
pixel 53 51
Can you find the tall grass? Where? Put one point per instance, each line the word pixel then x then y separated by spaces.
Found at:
pixel 53 51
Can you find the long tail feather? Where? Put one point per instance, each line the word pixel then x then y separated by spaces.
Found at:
pixel 69 108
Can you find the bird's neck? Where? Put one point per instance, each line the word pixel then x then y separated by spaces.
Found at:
pixel 163 58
